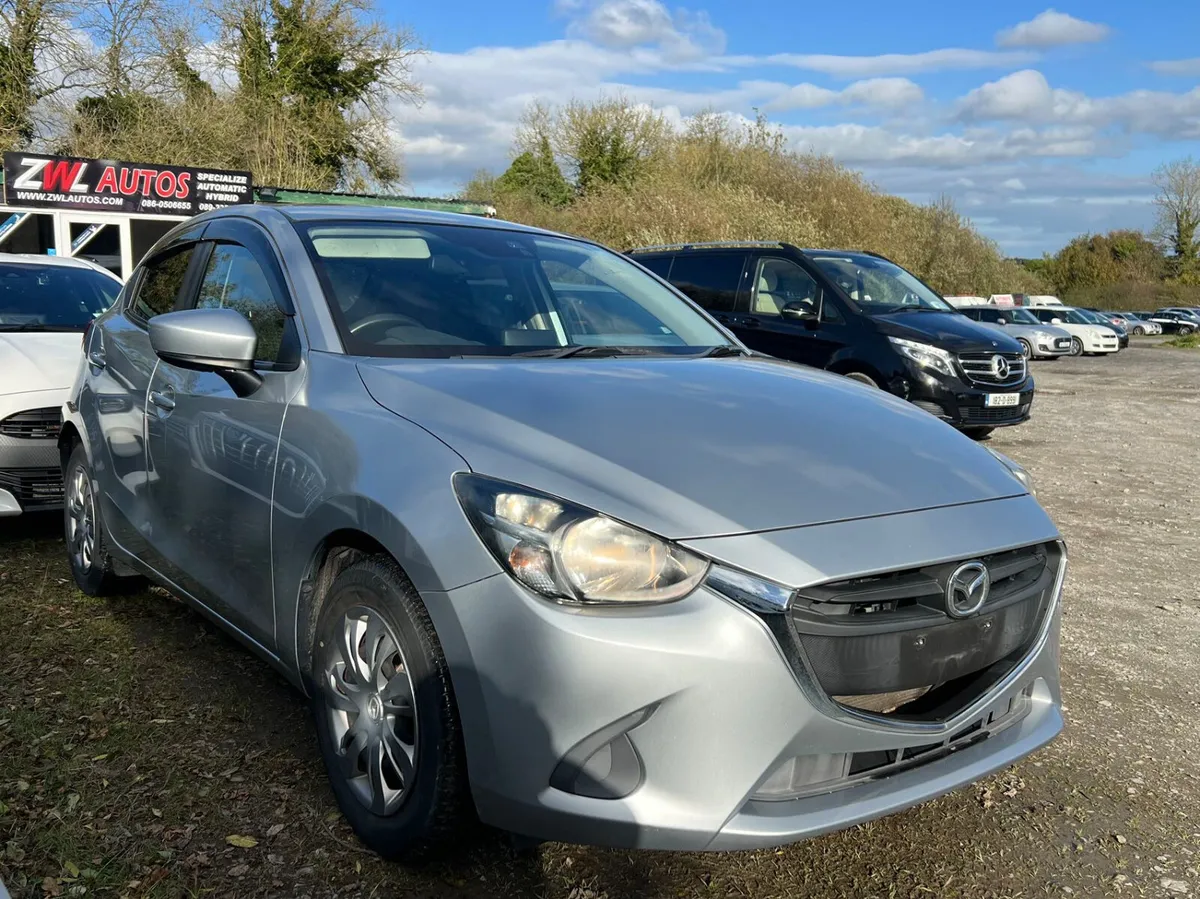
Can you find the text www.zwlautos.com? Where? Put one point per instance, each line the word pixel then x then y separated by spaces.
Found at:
pixel 35 196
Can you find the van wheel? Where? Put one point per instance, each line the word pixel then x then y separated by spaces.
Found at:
pixel 1076 346
pixel 387 722
pixel 861 378
pixel 84 534
pixel 1026 349
pixel 978 433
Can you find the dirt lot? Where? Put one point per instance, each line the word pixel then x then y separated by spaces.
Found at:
pixel 138 745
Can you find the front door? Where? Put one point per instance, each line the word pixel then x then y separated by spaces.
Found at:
pixel 778 289
pixel 212 454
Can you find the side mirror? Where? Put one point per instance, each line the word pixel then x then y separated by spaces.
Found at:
pixel 1002 321
pixel 801 312
pixel 1056 321
pixel 221 341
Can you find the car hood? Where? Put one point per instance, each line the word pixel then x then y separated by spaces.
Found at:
pixel 1021 329
pixel 31 360
pixel 692 447
pixel 948 330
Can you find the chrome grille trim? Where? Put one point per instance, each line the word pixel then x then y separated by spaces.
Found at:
pixel 980 368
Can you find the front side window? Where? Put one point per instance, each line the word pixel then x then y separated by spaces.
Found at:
pixel 711 279
pixel 879 287
pixel 160 284
pixel 40 297
pixel 233 279
pixel 779 283
pixel 453 290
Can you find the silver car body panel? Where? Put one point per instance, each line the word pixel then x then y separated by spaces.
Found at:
pixel 790 474
pixel 1031 333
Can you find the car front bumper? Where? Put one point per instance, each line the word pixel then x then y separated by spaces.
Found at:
pixel 681 712
pixel 1060 346
pixel 30 468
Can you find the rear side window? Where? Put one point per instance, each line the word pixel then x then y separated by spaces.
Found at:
pixel 711 280
pixel 160 284
pixel 660 265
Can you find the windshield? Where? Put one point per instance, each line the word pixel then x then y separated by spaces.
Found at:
pixel 878 286
pixel 452 290
pixel 43 297
pixel 1022 317
pixel 1074 316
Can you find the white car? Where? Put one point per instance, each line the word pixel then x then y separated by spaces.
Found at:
pixel 46 302
pixel 1086 338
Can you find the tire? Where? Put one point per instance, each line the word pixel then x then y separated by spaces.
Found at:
pixel 1026 349
pixel 1076 346
pixel 86 541
pixel 1139 331
pixel 1186 329
pixel 407 720
pixel 861 378
pixel 978 433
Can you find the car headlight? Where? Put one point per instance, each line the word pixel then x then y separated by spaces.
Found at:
pixel 1017 470
pixel 925 355
pixel 1045 337
pixel 571 554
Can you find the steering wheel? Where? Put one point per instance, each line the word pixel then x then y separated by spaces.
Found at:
pixel 381 318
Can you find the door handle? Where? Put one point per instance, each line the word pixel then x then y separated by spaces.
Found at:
pixel 96 359
pixel 749 323
pixel 164 401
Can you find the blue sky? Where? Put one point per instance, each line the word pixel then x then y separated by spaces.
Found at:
pixel 1041 122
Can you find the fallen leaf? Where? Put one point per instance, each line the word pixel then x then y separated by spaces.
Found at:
pixel 51 887
pixel 236 839
pixel 156 812
pixel 72 868
pixel 274 830
pixel 239 870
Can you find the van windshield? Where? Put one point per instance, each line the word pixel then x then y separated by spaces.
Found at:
pixel 879 287
pixel 446 291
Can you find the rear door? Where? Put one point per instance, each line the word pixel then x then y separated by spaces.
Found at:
pixel 212 453
pixel 712 280
pixel 778 286
pixel 120 364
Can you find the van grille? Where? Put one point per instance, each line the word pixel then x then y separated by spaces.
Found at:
pixel 993 369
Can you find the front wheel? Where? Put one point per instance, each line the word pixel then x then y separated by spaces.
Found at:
pixel 1026 349
pixel 1076 346
pixel 1139 331
pixel 386 718
pixel 978 433
pixel 1185 330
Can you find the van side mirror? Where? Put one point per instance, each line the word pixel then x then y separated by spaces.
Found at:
pixel 221 341
pixel 801 312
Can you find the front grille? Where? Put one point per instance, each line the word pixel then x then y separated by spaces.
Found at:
pixel 993 369
pixel 34 487
pixel 984 416
pixel 33 424
pixel 1062 343
pixel 865 638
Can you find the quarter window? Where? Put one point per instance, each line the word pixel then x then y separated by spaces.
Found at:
pixel 233 279
pixel 160 284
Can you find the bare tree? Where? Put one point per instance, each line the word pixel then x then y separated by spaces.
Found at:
pixel 1178 203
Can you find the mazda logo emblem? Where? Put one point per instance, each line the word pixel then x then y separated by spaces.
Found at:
pixel 1000 367
pixel 967 589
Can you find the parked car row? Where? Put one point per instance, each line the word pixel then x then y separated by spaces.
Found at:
pixel 546 544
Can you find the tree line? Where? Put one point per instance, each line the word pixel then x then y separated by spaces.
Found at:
pixel 296 91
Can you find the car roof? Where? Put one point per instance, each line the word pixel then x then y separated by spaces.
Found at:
pixel 400 214
pixel 57 261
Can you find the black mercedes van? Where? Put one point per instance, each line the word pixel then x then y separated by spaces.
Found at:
pixel 855 314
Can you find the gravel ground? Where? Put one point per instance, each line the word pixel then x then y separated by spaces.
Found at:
pixel 136 742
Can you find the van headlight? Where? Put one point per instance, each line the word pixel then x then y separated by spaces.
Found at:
pixel 1017 470
pixel 925 355
pixel 571 554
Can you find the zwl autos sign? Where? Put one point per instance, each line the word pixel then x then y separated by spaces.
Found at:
pixel 103 185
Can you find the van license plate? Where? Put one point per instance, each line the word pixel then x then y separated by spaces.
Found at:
pixel 1002 399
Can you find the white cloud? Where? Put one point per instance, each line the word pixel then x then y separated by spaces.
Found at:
pixel 1052 29
pixel 878 93
pixel 891 63
pixel 622 24
pixel 1013 184
pixel 1183 67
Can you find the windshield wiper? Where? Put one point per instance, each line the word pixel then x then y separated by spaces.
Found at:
pixel 39 326
pixel 724 349
pixel 564 352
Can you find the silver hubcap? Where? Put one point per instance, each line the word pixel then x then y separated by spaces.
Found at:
pixel 372 713
pixel 81 521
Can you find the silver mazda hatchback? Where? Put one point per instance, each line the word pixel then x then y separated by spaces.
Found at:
pixel 545 546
